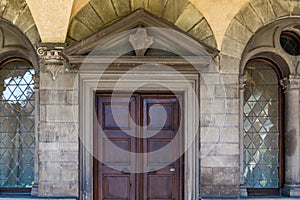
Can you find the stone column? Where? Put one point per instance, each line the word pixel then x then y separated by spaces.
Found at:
pixel 292 137
pixel 242 83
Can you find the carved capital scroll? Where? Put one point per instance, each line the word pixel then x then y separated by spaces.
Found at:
pixel 52 59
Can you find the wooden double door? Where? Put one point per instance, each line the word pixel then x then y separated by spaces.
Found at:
pixel 134 159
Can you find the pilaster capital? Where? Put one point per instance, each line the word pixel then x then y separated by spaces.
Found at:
pixel 290 83
pixel 51 53
pixel 52 59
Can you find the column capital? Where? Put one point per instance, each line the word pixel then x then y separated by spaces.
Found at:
pixel 51 53
pixel 242 81
pixel 290 83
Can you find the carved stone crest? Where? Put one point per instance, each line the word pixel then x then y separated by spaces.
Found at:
pixel 140 41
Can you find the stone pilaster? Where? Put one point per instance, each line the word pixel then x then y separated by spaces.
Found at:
pixel 292 136
pixel 58 144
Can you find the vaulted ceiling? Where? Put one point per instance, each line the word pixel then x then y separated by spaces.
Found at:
pixel 54 20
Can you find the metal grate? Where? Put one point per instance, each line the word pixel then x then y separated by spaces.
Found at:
pixel 261 128
pixel 16 125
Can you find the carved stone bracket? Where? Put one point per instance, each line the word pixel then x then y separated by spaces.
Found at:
pixel 52 59
pixel 54 70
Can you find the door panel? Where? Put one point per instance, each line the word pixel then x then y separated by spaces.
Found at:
pixel 115 130
pixel 159 120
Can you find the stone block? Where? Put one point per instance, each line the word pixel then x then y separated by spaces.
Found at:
pixel 210 135
pixel 219 149
pixel 239 32
pixel 230 135
pixel 229 64
pixel 12 9
pixel 295 8
pixel 281 8
pixel 77 30
pixel 206 175
pixel 220 161
pixel 64 81
pixel 248 17
pixel 212 106
pixel 157 7
pixel 58 189
pixel 226 176
pixel 122 7
pixel 188 18
pixel 72 97
pixel 70 173
pixel 207 92
pixel 32 35
pixel 50 172
pixel 58 156
pixel 229 78
pixel 264 10
pixel 232 106
pixel 48 146
pixel 206 120
pixel 226 120
pixel 201 30
pixel 42 113
pixel 52 97
pixel 22 24
pixel 61 132
pixel 136 4
pixel 173 9
pixel 87 13
pixel 105 10
pixel 211 41
pixel 227 91
pixel 219 191
pixel 58 171
pixel 208 78
pixel 69 146
pixel 232 48
pixel 62 113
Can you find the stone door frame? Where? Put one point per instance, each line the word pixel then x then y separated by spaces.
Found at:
pixel 89 83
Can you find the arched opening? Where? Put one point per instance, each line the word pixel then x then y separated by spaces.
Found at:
pixel 263 163
pixel 17 119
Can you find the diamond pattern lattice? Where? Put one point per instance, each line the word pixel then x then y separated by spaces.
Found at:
pixel 16 125
pixel 261 131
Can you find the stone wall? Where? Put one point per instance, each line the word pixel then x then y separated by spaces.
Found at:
pixel 219 135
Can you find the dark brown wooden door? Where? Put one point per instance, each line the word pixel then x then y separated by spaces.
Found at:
pixel 143 126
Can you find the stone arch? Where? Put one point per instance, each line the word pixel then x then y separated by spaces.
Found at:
pixel 14 43
pixel 99 13
pixel 17 12
pixel 249 20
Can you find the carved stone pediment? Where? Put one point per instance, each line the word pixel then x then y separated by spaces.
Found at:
pixel 140 34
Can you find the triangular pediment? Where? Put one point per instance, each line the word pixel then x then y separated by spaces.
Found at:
pixel 140 34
